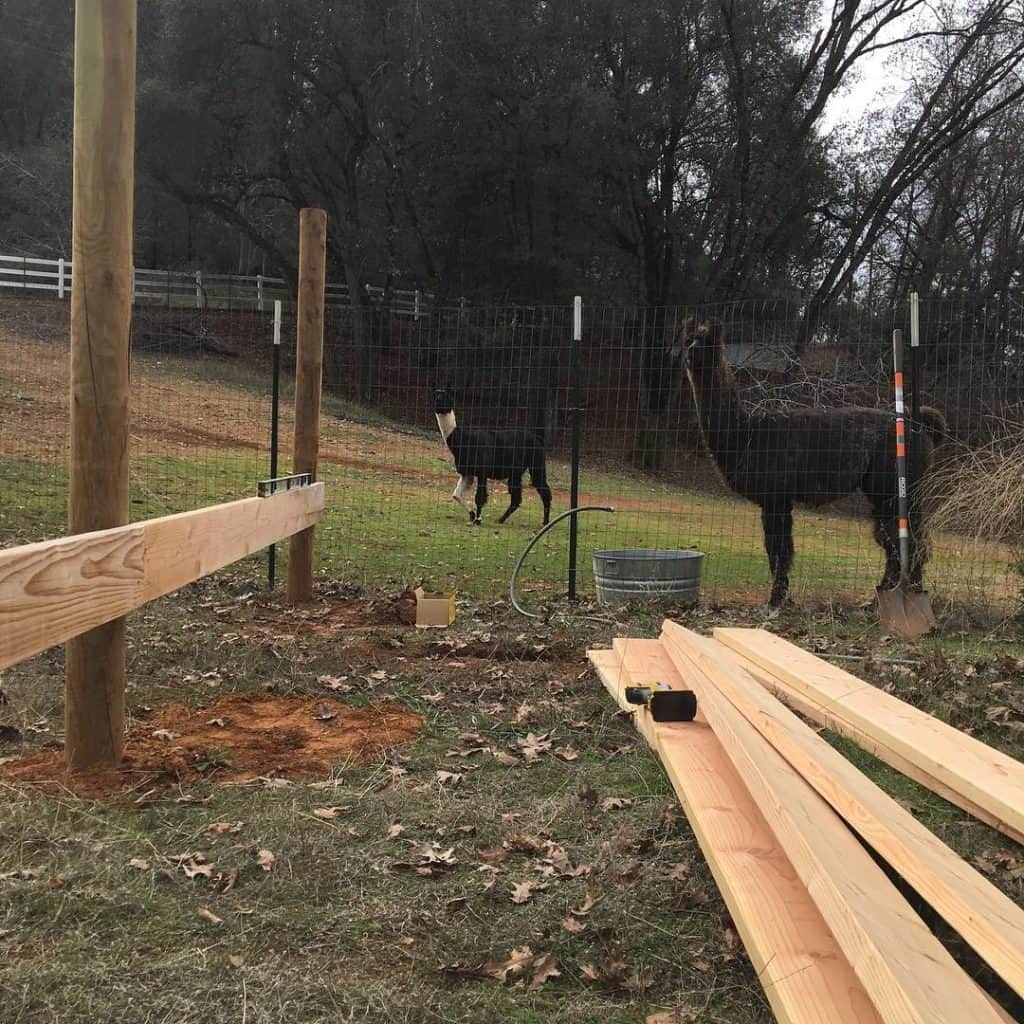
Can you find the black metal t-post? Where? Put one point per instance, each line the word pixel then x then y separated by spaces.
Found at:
pixel 274 407
pixel 576 398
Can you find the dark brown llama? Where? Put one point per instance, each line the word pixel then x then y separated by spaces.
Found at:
pixel 806 456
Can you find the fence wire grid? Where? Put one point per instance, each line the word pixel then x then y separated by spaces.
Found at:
pixel 200 434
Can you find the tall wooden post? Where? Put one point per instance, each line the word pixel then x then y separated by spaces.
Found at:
pixel 309 359
pixel 101 287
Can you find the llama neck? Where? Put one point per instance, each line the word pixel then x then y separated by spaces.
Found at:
pixel 723 419
pixel 445 423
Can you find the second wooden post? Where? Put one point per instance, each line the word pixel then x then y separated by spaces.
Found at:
pixel 309 358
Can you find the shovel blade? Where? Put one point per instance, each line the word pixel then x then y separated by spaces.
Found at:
pixel 905 612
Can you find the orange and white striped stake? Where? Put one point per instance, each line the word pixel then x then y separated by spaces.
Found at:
pixel 903 501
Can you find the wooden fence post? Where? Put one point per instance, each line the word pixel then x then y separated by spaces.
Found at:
pixel 309 358
pixel 101 254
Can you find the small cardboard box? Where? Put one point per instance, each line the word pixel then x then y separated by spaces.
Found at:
pixel 434 610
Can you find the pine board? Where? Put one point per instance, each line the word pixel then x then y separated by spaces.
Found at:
pixel 986 918
pixel 805 976
pixel 907 973
pixel 829 719
pixel 56 589
pixel 986 777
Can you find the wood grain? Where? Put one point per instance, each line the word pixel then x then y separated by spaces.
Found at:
pixel 804 974
pixel 309 358
pixel 985 777
pixel 986 918
pixel 101 250
pixel 57 589
pixel 908 974
pixel 821 714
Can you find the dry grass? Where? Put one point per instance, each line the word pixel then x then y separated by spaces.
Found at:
pixel 979 494
pixel 346 926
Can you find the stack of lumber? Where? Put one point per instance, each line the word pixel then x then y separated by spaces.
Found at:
pixel 795 834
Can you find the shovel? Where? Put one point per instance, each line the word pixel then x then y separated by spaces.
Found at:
pixel 903 610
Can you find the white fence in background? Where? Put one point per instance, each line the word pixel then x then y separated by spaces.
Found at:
pixel 194 289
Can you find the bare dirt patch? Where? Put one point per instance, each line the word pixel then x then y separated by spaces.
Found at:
pixel 237 738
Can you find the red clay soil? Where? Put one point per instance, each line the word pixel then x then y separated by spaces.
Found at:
pixel 238 738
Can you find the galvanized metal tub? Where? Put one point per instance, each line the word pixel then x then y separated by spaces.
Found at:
pixel 642 574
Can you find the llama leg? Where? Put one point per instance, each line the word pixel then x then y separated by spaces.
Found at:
pixel 515 493
pixel 920 549
pixel 481 498
pixel 539 479
pixel 777 522
pixel 883 511
pixel 459 494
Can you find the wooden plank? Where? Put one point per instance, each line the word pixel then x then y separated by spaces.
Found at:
pixel 804 974
pixel 309 358
pixel 829 719
pixel 55 590
pixel 906 971
pixel 986 918
pixel 986 777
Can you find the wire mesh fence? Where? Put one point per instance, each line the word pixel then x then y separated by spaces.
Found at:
pixel 714 467
pixel 199 411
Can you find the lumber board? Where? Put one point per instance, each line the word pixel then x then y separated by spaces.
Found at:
pixel 908 974
pixel 56 589
pixel 985 917
pixel 986 777
pixel 826 717
pixel 805 976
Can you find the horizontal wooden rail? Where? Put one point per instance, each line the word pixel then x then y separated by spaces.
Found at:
pixel 56 589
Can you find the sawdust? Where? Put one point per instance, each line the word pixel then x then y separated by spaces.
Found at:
pixel 238 738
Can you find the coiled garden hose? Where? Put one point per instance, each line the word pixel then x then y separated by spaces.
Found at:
pixel 529 547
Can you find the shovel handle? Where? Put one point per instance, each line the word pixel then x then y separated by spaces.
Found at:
pixel 902 498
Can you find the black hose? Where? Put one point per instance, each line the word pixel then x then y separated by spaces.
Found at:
pixel 533 540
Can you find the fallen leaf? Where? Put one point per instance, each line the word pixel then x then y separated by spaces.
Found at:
pixel 514 966
pixel 325 714
pixel 444 777
pixel 525 714
pixel 573 924
pixel 520 842
pixel 57 882
pixel 506 759
pixel 236 961
pixel 582 911
pixel 493 854
pixel 333 682
pixel 615 803
pixel 524 891
pixel 533 746
pixel 224 881
pixel 680 1015
pixel 139 864
pixel 266 860
pixel 395 831
pixel 218 828
pixel 678 872
pixel 545 968
pixel 164 734
pixel 194 866
pixel 219 722
pixel 328 813
pixel 208 915
pixel 566 753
